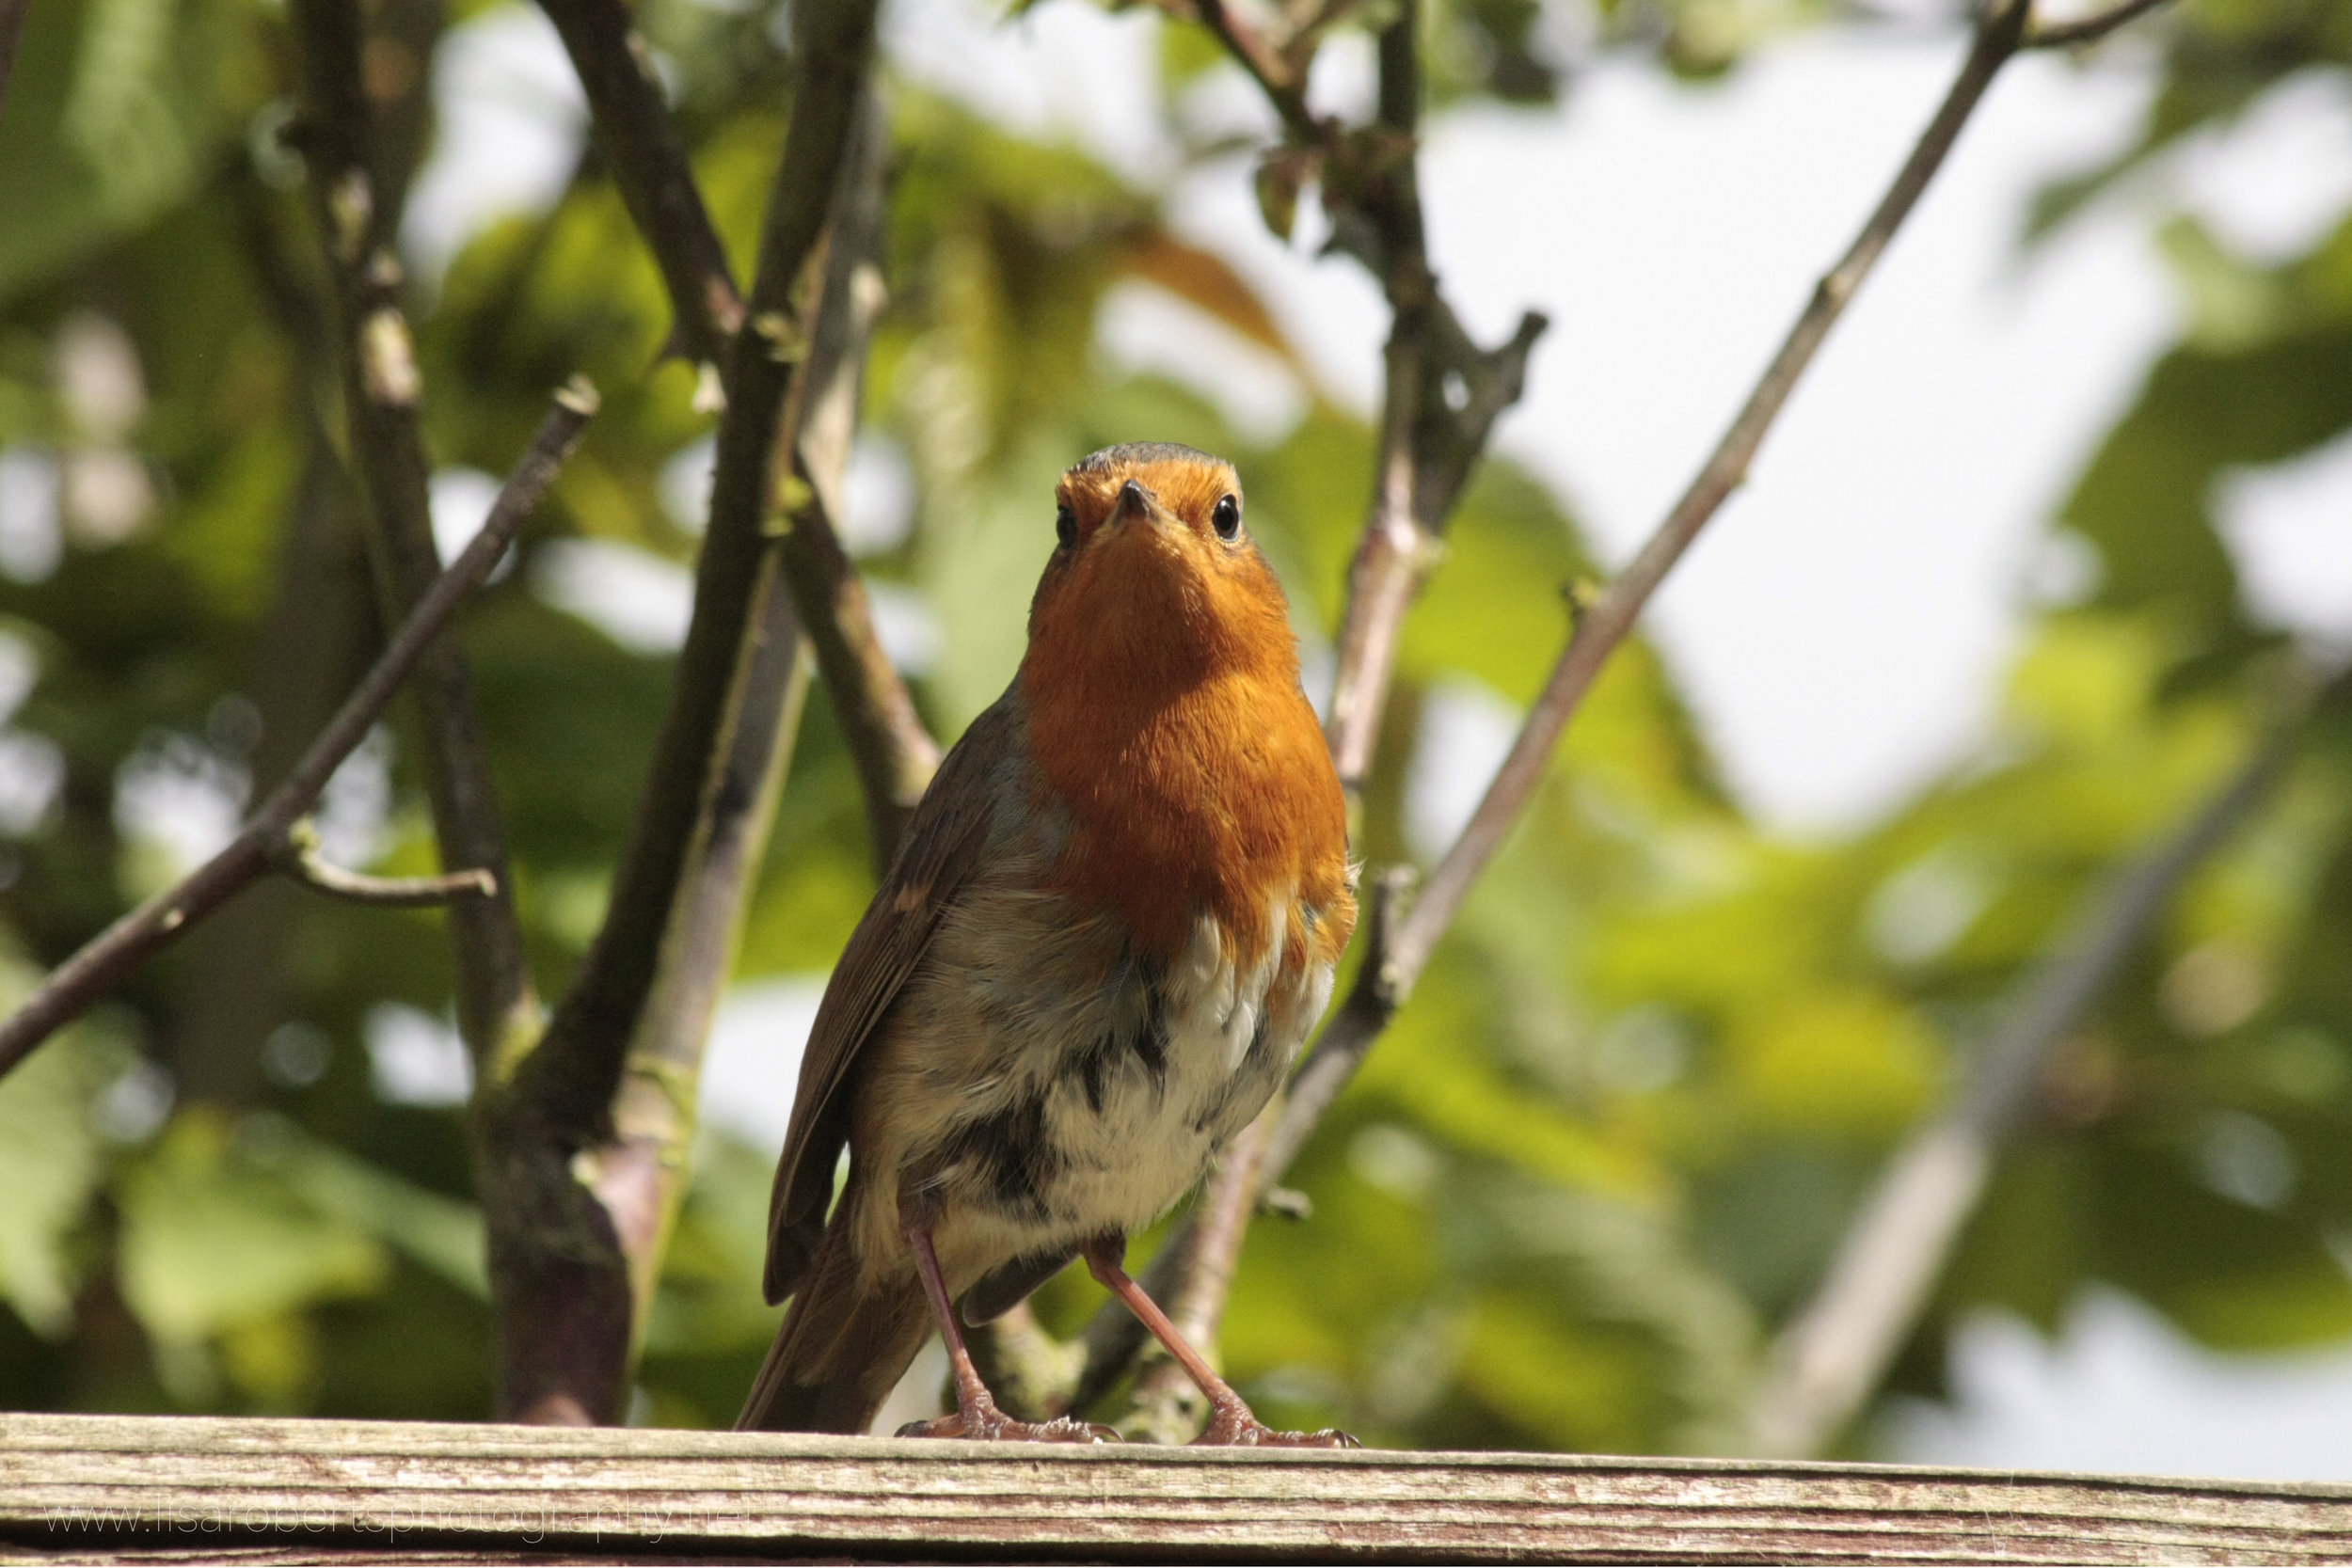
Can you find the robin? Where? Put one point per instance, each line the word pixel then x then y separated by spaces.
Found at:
pixel 1114 918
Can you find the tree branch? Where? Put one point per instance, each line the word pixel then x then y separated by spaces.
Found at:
pixel 563 1235
pixel 593 1025
pixel 1835 1351
pixel 2089 29
pixel 894 755
pixel 1401 940
pixel 1442 396
pixel 1284 84
pixel 642 146
pixel 496 1007
pixel 299 855
pixel 1381 987
pixel 642 1170
pixel 103 964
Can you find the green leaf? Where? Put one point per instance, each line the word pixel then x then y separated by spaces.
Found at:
pixel 211 1241
pixel 51 1164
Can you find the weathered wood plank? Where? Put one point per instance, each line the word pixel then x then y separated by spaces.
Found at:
pixel 125 1489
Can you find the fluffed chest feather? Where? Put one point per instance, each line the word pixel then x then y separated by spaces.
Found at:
pixel 1049 1085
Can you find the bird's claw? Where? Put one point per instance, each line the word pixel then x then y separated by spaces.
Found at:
pixel 988 1424
pixel 1234 1427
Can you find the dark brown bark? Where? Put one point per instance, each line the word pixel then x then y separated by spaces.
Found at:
pixel 564 1235
pixel 895 756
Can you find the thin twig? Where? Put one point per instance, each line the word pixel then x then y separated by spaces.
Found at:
pixel 894 755
pixel 1284 87
pixel 1441 396
pixel 644 149
pixel 560 1247
pixel 2088 29
pixel 1606 623
pixel 1400 948
pixel 1835 1351
pixel 352 205
pixel 578 1066
pixel 642 1170
pixel 104 963
pixel 301 857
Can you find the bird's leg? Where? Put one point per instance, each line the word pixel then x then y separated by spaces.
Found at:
pixel 1231 1423
pixel 977 1413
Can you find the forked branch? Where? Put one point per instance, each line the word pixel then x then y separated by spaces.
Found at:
pixel 1401 938
pixel 641 141
pixel 1387 976
pixel 592 1025
pixel 640 1171
pixel 103 964
pixel 644 149
pixel 301 857
pixel 572 1223
pixel 2087 29
pixel 354 199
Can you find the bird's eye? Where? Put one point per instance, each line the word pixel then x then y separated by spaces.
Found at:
pixel 1066 526
pixel 1226 517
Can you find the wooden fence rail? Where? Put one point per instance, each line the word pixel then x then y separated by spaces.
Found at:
pixel 147 1489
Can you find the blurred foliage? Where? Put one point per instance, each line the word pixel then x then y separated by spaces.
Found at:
pixel 1612 1139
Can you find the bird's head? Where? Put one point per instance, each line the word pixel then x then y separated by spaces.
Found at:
pixel 1155 577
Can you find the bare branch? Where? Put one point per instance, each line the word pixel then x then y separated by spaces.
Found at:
pixel 1835 1351
pixel 1442 395
pixel 573 1207
pixel 2089 29
pixel 103 964
pixel 353 206
pixel 1427 451
pixel 642 1171
pixel 299 854
pixel 593 1025
pixel 1401 940
pixel 642 146
pixel 894 753
pixel 1609 618
pixel 1284 87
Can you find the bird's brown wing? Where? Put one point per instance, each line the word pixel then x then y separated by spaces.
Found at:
pixel 943 845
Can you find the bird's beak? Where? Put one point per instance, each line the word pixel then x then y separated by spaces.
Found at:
pixel 1134 505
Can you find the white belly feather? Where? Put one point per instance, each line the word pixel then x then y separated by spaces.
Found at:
pixel 1115 1122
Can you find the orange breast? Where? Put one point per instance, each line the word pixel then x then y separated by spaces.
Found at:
pixel 1164 712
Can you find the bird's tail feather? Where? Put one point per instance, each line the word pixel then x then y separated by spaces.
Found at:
pixel 844 1345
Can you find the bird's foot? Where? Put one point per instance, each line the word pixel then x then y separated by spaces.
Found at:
pixel 985 1423
pixel 1231 1426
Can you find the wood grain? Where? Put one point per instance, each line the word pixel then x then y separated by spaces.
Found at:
pixel 150 1489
